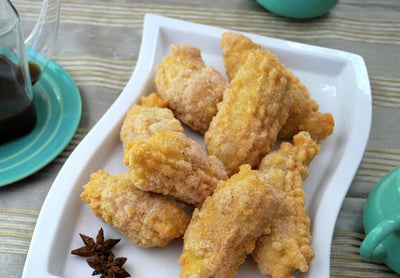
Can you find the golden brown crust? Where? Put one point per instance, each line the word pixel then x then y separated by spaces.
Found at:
pixel 235 49
pixel 141 122
pixel 170 163
pixel 252 112
pixel 227 226
pixel 192 89
pixel 153 100
pixel 303 113
pixel 145 219
pixel 288 246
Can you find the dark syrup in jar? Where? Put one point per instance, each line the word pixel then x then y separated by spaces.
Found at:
pixel 35 72
pixel 17 110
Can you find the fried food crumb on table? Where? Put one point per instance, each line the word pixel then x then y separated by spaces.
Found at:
pixel 303 113
pixel 146 219
pixel 172 164
pixel 251 113
pixel 191 88
pixel 227 226
pixel 288 246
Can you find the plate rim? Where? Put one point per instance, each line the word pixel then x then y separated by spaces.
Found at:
pixel 151 28
pixel 51 74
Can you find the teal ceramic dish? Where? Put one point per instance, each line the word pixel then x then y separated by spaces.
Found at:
pixel 382 222
pixel 300 9
pixel 58 105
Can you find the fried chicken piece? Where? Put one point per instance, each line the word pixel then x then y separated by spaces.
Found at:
pixel 146 219
pixel 227 226
pixel 192 89
pixel 288 246
pixel 153 100
pixel 141 122
pixel 303 113
pixel 252 112
pixel 170 163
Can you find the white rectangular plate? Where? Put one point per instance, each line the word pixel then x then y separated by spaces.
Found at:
pixel 337 80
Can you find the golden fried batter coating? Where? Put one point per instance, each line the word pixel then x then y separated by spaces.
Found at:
pixel 141 122
pixel 288 246
pixel 303 113
pixel 170 163
pixel 153 100
pixel 192 89
pixel 235 49
pixel 227 226
pixel 252 112
pixel 146 219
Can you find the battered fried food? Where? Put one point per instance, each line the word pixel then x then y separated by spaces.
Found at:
pixel 235 49
pixel 192 89
pixel 153 100
pixel 303 113
pixel 288 246
pixel 227 226
pixel 170 163
pixel 145 219
pixel 141 122
pixel 252 112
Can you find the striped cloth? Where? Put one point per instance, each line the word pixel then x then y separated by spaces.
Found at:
pixel 99 43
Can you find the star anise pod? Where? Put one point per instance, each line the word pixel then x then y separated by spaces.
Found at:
pixel 98 247
pixel 108 266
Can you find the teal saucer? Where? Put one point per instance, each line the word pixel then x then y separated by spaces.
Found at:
pixel 58 105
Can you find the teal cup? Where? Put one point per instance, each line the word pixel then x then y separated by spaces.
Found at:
pixel 382 222
pixel 300 9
